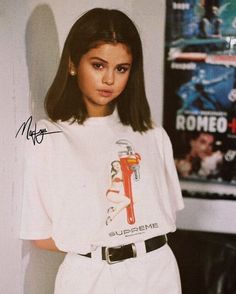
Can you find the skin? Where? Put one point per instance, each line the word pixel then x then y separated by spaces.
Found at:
pixel 119 200
pixel 47 244
pixel 201 147
pixel 102 75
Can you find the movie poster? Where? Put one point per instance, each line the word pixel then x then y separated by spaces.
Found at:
pixel 200 88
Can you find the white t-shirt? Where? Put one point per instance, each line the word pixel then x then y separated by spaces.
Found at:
pixel 99 184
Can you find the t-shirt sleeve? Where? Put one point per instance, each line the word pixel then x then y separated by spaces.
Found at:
pixel 172 180
pixel 36 222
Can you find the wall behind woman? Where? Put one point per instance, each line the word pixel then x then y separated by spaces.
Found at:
pixel 32 36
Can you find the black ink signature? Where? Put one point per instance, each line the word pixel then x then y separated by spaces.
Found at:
pixel 37 136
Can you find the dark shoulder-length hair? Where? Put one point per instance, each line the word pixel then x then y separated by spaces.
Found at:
pixel 97 26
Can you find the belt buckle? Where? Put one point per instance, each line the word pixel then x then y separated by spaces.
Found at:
pixel 108 255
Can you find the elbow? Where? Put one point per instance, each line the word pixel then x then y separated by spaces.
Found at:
pixel 38 243
pixel 47 244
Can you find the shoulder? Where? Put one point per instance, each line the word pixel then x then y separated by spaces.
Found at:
pixel 41 136
pixel 162 139
pixel 159 132
pixel 48 124
pixel 62 127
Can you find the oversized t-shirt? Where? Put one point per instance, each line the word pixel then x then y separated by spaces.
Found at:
pixel 99 184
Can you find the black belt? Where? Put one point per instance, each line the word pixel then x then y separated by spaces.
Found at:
pixel 119 253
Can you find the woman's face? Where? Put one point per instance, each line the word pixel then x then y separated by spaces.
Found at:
pixel 202 146
pixel 102 75
pixel 116 165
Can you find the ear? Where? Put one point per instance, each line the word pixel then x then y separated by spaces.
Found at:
pixel 72 68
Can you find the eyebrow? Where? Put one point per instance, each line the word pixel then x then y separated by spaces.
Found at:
pixel 103 60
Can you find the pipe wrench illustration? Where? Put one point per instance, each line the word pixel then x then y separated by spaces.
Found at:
pixel 129 161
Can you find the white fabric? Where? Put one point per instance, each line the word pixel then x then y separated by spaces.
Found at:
pixel 153 273
pixel 71 190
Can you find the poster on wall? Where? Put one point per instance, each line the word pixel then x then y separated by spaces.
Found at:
pixel 200 88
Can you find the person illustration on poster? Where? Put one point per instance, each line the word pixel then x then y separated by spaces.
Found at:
pixel 210 24
pixel 200 160
pixel 199 93
pixel 98 103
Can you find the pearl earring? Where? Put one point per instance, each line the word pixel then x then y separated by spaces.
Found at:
pixel 72 72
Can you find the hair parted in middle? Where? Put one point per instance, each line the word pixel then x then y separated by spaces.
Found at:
pixel 100 26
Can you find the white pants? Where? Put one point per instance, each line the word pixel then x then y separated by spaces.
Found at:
pixel 155 272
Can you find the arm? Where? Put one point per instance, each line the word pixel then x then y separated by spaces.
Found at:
pixel 216 80
pixel 202 28
pixel 46 244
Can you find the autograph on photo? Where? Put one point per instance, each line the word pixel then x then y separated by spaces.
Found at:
pixel 35 135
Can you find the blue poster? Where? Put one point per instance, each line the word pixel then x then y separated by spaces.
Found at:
pixel 200 88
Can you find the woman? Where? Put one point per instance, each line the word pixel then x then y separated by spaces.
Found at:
pixel 98 102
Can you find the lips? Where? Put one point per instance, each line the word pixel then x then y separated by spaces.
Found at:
pixel 105 93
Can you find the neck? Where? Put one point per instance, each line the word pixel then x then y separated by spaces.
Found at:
pixel 99 111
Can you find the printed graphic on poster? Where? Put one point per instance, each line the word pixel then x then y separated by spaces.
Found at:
pixel 200 88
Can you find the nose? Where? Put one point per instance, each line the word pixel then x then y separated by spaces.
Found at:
pixel 108 77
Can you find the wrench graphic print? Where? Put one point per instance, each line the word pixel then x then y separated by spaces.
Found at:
pixel 129 161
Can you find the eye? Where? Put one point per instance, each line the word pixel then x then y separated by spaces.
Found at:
pixel 122 69
pixel 97 65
